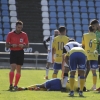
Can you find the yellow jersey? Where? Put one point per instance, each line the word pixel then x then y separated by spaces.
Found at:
pixel 58 44
pixel 90 46
pixel 76 49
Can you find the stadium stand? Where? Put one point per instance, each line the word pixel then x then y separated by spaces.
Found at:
pixel 31 12
pixel 74 14
pixel 46 15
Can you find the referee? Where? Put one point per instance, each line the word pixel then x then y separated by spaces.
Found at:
pixel 16 40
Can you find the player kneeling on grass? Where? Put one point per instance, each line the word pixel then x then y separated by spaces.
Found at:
pixel 77 57
pixel 50 85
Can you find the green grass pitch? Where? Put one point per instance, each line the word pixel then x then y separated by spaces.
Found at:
pixel 30 77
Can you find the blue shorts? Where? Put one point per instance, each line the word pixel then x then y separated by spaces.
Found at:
pixel 57 66
pixel 93 64
pixel 53 84
pixel 77 60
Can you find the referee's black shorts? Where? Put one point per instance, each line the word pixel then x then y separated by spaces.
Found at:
pixel 17 57
pixel 98 59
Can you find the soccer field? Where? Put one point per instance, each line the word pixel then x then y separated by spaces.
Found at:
pixel 30 77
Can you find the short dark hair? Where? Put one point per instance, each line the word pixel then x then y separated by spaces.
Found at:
pixel 71 39
pixel 19 23
pixel 91 29
pixel 94 21
pixel 61 29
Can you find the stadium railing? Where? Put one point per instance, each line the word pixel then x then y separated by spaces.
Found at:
pixel 36 59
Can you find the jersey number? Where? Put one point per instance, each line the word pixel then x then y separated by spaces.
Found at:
pixel 90 43
pixel 60 45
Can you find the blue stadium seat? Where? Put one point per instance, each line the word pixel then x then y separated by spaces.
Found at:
pixel 53 20
pixel 60 8
pixel 77 21
pixel 82 3
pixel 59 3
pixel 5 37
pixel 75 3
pixel 77 27
pixel 76 15
pixel 85 27
pixel 84 15
pixel 75 9
pixel 4 1
pixel 1 31
pixel 92 15
pixel 67 3
pixel 6 31
pixel 83 9
pixel 61 24
pixel 52 3
pixel 90 3
pixel 69 27
pixel 0 19
pixel 97 4
pixel 91 9
pixel 5 19
pixel 79 39
pixel 5 13
pixel 70 33
pixel 68 14
pixel 60 14
pixel 78 33
pixel 0 25
pixel 4 7
pixel 97 9
pixel 52 32
pixel 98 16
pixel 69 21
pixel 6 25
pixel 53 26
pixel 53 14
pixel 68 8
pixel 85 21
pixel 1 38
pixel 52 8
pixel 61 20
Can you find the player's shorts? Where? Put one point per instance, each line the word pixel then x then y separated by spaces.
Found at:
pixel 17 57
pixel 98 59
pixel 53 84
pixel 49 57
pixel 57 66
pixel 93 64
pixel 77 60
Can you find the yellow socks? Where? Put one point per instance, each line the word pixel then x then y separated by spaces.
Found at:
pixel 54 76
pixel 71 81
pixel 82 82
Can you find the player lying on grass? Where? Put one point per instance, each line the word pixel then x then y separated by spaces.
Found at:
pixel 49 85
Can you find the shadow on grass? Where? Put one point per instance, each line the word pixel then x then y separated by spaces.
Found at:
pixel 11 90
pixel 77 96
pixel 96 92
